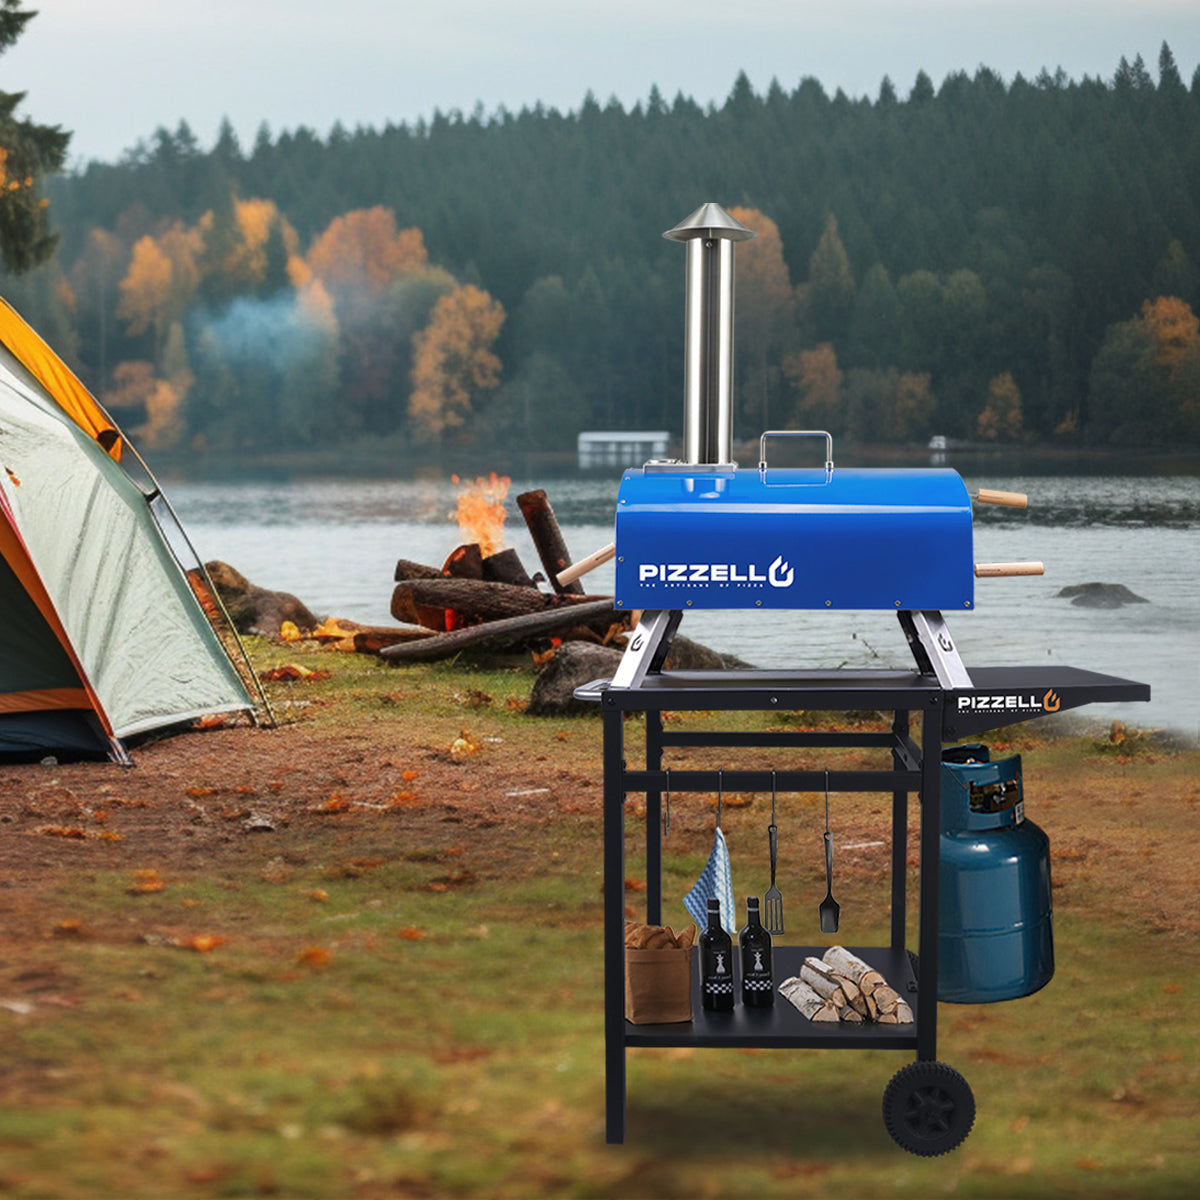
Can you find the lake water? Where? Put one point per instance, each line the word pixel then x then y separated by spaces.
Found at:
pixel 334 543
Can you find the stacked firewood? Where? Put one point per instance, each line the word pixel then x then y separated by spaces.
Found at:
pixel 475 598
pixel 841 987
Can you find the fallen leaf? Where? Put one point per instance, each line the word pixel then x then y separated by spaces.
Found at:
pixel 146 882
pixel 410 934
pixel 320 895
pixel 201 942
pixel 62 831
pixel 70 928
pixel 314 956
pixel 291 672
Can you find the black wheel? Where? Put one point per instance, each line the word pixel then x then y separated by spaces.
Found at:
pixel 928 1108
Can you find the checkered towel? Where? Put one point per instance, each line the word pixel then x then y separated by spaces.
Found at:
pixel 715 880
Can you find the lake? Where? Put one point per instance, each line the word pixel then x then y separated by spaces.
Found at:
pixel 334 543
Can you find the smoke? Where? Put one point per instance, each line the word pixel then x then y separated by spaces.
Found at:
pixel 278 333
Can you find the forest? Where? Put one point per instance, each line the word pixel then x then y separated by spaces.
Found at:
pixel 1009 262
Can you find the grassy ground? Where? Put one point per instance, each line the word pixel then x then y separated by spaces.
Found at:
pixel 359 956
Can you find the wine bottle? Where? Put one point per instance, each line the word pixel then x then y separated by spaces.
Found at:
pixel 758 986
pixel 716 963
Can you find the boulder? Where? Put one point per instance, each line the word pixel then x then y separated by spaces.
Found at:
pixel 1101 595
pixel 577 663
pixel 254 609
pixel 573 665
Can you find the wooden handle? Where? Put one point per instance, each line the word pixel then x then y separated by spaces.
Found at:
pixel 991 570
pixel 1009 499
pixel 584 565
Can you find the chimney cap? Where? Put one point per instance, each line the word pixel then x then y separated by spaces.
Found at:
pixel 711 221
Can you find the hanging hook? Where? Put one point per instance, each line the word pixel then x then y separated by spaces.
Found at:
pixel 720 790
pixel 772 795
pixel 667 806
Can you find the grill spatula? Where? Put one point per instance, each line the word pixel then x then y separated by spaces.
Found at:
pixel 829 907
pixel 773 900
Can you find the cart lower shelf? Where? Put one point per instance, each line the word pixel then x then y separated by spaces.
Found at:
pixel 782 1025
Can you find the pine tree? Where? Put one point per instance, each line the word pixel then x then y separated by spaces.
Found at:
pixel 28 153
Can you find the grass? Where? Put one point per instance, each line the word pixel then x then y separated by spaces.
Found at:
pixel 356 1034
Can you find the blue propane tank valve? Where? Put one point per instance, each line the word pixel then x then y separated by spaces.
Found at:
pixel 995 940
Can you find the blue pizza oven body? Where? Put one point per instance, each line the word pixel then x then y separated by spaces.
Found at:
pixel 867 538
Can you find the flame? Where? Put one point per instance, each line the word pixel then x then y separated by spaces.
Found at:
pixel 480 511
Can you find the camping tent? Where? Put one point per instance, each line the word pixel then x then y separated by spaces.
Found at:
pixel 102 636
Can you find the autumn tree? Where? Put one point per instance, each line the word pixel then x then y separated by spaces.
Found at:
pixel 817 380
pixel 161 281
pixel 1001 418
pixel 363 250
pixel 1145 376
pixel 383 288
pixel 28 153
pixel 765 315
pixel 453 361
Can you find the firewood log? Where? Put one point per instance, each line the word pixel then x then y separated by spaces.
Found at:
pixel 853 968
pixel 464 562
pixel 849 989
pixel 503 632
pixel 800 995
pixel 823 986
pixel 886 998
pixel 505 566
pixel 850 1016
pixel 406 569
pixel 548 538
pixel 477 600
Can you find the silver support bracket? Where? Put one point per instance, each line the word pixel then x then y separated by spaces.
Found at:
pixel 934 648
pixel 647 646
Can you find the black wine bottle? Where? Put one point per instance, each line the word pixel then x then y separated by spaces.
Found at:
pixel 758 985
pixel 716 963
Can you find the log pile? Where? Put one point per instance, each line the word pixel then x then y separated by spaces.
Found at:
pixel 475 599
pixel 841 987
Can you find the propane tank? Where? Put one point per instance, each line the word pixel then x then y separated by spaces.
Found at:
pixel 994 934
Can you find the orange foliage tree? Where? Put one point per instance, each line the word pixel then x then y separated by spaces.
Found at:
pixel 162 278
pixel 453 360
pixel 365 249
pixel 1001 418
pixel 765 314
pixel 818 381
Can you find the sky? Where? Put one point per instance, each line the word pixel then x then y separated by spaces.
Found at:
pixel 113 71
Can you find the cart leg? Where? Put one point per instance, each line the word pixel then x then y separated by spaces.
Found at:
pixel 899 841
pixel 931 828
pixel 653 820
pixel 614 925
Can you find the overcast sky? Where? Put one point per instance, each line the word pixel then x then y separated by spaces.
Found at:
pixel 113 71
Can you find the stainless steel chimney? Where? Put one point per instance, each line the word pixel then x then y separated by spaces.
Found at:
pixel 710 233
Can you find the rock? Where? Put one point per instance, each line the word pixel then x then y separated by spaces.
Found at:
pixel 1101 595
pixel 687 655
pixel 573 665
pixel 254 609
pixel 577 663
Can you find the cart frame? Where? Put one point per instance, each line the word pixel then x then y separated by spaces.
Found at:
pixel 946 715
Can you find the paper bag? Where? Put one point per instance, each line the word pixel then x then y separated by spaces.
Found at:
pixel 658 986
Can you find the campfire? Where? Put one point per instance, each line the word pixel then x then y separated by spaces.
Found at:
pixel 483 591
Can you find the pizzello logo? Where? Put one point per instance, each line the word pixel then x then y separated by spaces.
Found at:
pixel 778 575
pixel 1025 702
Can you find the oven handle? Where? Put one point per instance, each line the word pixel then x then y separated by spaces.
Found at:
pixel 774 433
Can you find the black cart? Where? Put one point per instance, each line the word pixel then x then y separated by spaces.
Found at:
pixel 928 1106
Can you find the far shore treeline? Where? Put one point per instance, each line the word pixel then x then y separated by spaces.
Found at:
pixel 1013 262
